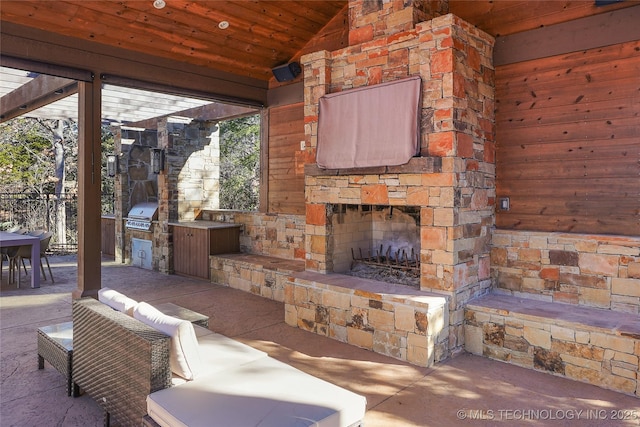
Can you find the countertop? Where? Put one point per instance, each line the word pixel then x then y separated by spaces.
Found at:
pixel 204 224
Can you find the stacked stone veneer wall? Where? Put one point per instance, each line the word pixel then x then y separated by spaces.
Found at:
pixel 121 192
pixel 275 235
pixel 586 270
pixel 455 185
pixel 582 344
pixel 195 156
pixel 257 274
pixel 189 182
pixel 272 247
pixel 409 325
pixel 566 304
pixel 135 183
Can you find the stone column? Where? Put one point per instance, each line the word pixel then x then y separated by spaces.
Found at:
pixel 317 80
pixel 121 195
pixel 167 200
pixel 459 99
pixel 196 146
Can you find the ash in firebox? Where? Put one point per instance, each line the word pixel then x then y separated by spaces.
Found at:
pixel 409 277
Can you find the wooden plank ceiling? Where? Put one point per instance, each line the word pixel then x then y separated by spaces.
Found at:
pixel 260 34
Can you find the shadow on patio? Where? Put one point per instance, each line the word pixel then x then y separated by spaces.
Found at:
pixel 466 390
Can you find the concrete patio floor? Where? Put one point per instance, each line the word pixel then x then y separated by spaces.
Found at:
pixel 464 391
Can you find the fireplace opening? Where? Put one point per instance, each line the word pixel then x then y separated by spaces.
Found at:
pixel 377 242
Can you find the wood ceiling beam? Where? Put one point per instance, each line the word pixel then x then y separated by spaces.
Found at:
pixel 211 112
pixel 37 45
pixel 37 93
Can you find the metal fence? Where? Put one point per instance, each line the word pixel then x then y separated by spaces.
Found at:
pixel 59 215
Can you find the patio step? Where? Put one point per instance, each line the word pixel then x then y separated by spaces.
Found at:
pixel 259 274
pixel 596 346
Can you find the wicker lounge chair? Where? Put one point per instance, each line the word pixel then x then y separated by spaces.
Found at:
pixel 124 365
pixel 117 360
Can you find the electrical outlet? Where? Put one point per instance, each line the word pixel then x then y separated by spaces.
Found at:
pixel 302 145
pixel 504 203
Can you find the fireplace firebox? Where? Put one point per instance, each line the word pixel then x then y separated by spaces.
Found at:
pixel 376 242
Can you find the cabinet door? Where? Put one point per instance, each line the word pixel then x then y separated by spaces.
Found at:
pixel 191 252
pixel 199 242
pixel 181 250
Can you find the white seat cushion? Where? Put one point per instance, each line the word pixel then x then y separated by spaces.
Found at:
pixel 117 301
pixel 184 356
pixel 218 353
pixel 265 393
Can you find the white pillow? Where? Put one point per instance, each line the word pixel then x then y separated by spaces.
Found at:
pixel 184 356
pixel 116 300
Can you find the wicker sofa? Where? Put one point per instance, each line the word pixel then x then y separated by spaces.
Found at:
pixel 124 365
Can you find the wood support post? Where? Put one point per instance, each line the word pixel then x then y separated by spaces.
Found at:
pixel 89 189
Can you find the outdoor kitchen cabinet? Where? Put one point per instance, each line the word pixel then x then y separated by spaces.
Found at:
pixel 195 241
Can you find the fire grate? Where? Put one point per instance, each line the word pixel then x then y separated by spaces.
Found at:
pixel 401 260
pixel 401 267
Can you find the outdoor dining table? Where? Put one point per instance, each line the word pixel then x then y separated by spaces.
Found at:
pixel 8 240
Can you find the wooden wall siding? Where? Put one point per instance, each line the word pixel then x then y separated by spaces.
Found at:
pixel 568 142
pixel 286 160
pixel 501 18
pixel 615 27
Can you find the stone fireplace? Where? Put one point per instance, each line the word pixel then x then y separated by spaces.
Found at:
pixel 449 188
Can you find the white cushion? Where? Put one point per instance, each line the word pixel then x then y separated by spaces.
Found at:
pixel 116 300
pixel 219 352
pixel 265 393
pixel 184 355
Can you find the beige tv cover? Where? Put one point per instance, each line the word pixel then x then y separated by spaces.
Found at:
pixel 371 126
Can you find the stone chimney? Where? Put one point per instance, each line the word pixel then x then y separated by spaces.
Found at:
pixel 371 19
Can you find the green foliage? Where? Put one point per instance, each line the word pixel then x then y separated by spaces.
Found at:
pixel 240 163
pixel 26 156
pixel 27 161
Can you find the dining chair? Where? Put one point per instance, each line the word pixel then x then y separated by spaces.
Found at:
pixel 24 252
pixel 12 256
pixel 8 253
pixel 3 257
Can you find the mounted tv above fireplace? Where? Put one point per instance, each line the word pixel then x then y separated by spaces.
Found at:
pixel 371 126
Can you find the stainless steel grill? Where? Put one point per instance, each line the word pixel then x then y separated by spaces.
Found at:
pixel 141 216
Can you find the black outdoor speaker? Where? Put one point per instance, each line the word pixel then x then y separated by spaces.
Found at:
pixel 286 72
